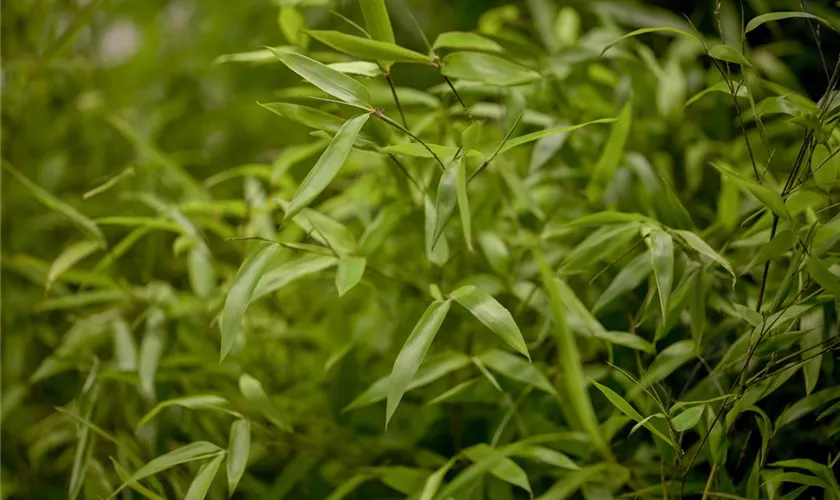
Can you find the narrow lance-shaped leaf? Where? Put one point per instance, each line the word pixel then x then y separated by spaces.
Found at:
pixel 465 41
pixel 486 68
pixel 688 418
pixel 327 166
pixel 506 469
pixel 626 408
pixel 368 49
pixel 208 401
pixel 703 248
pixel 573 378
pixel 515 367
pixel 349 273
pixel 81 221
pixel 241 290
pixel 377 21
pixel 626 280
pixel 204 479
pixel 778 16
pixel 610 157
pixel 69 257
pixel 238 449
pixel 461 181
pixel 413 352
pixel 769 198
pixel 446 197
pixel 824 277
pixel 662 257
pixel 643 31
pixel 188 453
pixel 533 136
pixel 253 391
pixel 151 349
pixel 727 53
pixel 332 82
pixel 493 315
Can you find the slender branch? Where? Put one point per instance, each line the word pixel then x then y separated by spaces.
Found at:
pixel 396 99
pixel 399 127
pixel 496 152
pixel 457 95
pixel 405 171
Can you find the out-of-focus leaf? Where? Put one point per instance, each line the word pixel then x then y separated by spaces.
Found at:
pixel 627 340
pixel 825 278
pixel 781 243
pixel 151 349
pixel 413 352
pixel 204 479
pixel 643 31
pixel 722 86
pixel 727 53
pixel 524 139
pixel 71 255
pixel 436 252
pixel 463 201
pixel 516 368
pixel 349 273
pixel 631 276
pixel 505 469
pixel 311 117
pixel 446 198
pixel 368 49
pixel 434 481
pixel 778 16
pixel 662 258
pixel 493 315
pixel 209 401
pixel 486 68
pixel 460 40
pixel 253 391
pixel 329 80
pixel 604 169
pixel 377 21
pixel 239 448
pixel 242 289
pixel 189 453
pixel 327 166
pixel 688 418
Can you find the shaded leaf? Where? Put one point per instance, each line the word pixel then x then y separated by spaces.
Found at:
pixel 493 315
pixel 253 391
pixel 349 273
pixel 778 16
pixel 239 448
pixel 204 479
pixel 662 257
pixel 516 368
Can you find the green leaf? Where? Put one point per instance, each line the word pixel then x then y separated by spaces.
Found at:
pixel 727 53
pixel 358 68
pixel 377 21
pixel 769 198
pixel 332 82
pixel 460 40
pixel 643 31
pixel 327 166
pixel 151 349
pixel 544 455
pixel 604 169
pixel 688 418
pixel 291 271
pixel 242 289
pixel 486 68
pixel 514 367
pixel 775 248
pixel 204 479
pixel 348 486
pixel 239 447
pixel 626 408
pixel 68 257
pixel 505 469
pixel 662 258
pixel 207 401
pixel 349 273
pixel 493 315
pixel 189 453
pixel 471 474
pixel 495 251
pixel 437 252
pixel 627 340
pixel 81 221
pixel 630 277
pixel 431 370
pixel 368 49
pixel 524 139
pixel 778 16
pixel 722 86
pixel 434 481
pixel 413 352
pixel 825 278
pixel 311 117
pixel 326 231
pixel 569 357
pixel 703 248
pixel 139 488
pixel 461 181
pixel 446 198
pixel 253 391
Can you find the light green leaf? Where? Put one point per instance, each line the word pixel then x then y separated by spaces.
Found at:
pixel 189 453
pixel 722 86
pixel 493 315
pixel 253 391
pixel 413 352
pixel 291 271
pixel 486 68
pixel 630 277
pixel 778 245
pixel 627 340
pixel 81 221
pixel 778 16
pixel 643 31
pixel 465 41
pixel 348 486
pixel 604 169
pixel 471 474
pixel 626 408
pixel 68 257
pixel 207 401
pixel 703 248
pixel 368 49
pixel 311 117
pixel 151 349
pixel 662 258
pixel 514 367
pixel 434 481
pixel 505 469
pixel 327 166
pixel 727 53
pixel 495 251
pixel 436 252
pixel 242 289
pixel 573 378
pixel 688 418
pixel 358 68
pixel 544 455
pixel 329 80
pixel 139 488
pixel 239 447
pixel 204 479
pixel 327 231
pixel 533 136
pixel 769 198
pixel 349 273
pixel 446 198
pixel 377 21
pixel 461 181
pixel 825 278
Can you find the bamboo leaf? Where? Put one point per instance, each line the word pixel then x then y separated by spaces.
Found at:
pixel 703 248
pixel 493 315
pixel 727 53
pixel 662 258
pixel 377 21
pixel 207 401
pixel 349 273
pixel 524 139
pixel 239 448
pixel 688 418
pixel 460 40
pixel 204 479
pixel 505 469
pixel 514 367
pixel 604 169
pixel 253 391
pixel 461 181
pixel 486 68
pixel 71 255
pixel 446 198
pixel 189 453
pixel 662 29
pixel 368 49
pixel 413 352
pixel 778 16
pixel 332 82
pixel 770 199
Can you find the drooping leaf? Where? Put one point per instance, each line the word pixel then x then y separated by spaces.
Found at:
pixel 368 49
pixel 524 139
pixel 703 248
pixel 642 31
pixel 329 80
pixel 662 258
pixel 207 401
pixel 824 277
pixel 349 273
pixel 204 479
pixel 446 198
pixel 493 315
pixel 436 251
pixel 626 408
pixel 242 289
pixel 151 349
pixel 486 68
pixel 253 391
pixel 71 255
pixel 727 53
pixel 189 453
pixel 505 469
pixel 463 201
pixel 327 166
pixel 604 169
pixel 291 271
pixel 778 16
pixel 239 448
pixel 781 243
pixel 514 367
pixel 626 339
pixel 311 117
pixel 722 86
pixel 377 21
pixel 413 352
pixel 631 276
pixel 461 40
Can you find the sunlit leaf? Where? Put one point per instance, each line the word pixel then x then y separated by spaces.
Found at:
pixel 237 456
pixel 329 80
pixel 486 68
pixel 493 315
